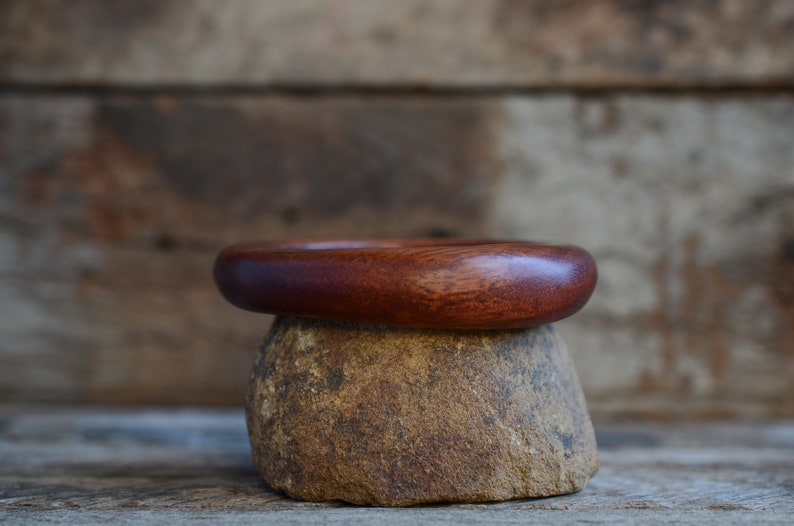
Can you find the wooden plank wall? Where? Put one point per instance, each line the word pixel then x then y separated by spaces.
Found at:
pixel 139 137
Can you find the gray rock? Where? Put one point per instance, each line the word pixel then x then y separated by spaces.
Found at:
pixel 395 417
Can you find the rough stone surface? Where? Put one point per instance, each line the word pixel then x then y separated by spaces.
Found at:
pixel 388 416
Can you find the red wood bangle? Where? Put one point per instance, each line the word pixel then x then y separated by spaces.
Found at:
pixel 430 283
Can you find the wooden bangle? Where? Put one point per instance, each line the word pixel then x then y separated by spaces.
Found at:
pixel 427 283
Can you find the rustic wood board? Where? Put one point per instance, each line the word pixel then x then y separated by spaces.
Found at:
pixel 113 208
pixel 76 465
pixel 385 44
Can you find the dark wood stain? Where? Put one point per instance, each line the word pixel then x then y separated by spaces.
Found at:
pixel 56 33
pixel 307 160
pixel 460 284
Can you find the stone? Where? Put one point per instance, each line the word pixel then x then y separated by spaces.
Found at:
pixel 393 416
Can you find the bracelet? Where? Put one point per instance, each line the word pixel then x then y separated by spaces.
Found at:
pixel 423 283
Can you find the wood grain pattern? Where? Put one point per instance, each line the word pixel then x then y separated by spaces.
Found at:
pixel 73 466
pixel 112 210
pixel 408 44
pixel 110 225
pixel 446 284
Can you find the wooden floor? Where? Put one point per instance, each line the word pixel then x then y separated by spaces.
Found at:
pixel 93 465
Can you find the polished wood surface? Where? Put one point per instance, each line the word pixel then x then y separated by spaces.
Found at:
pixel 428 283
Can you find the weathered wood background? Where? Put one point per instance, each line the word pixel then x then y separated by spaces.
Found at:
pixel 176 466
pixel 139 137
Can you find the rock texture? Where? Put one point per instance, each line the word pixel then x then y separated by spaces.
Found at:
pixel 394 417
